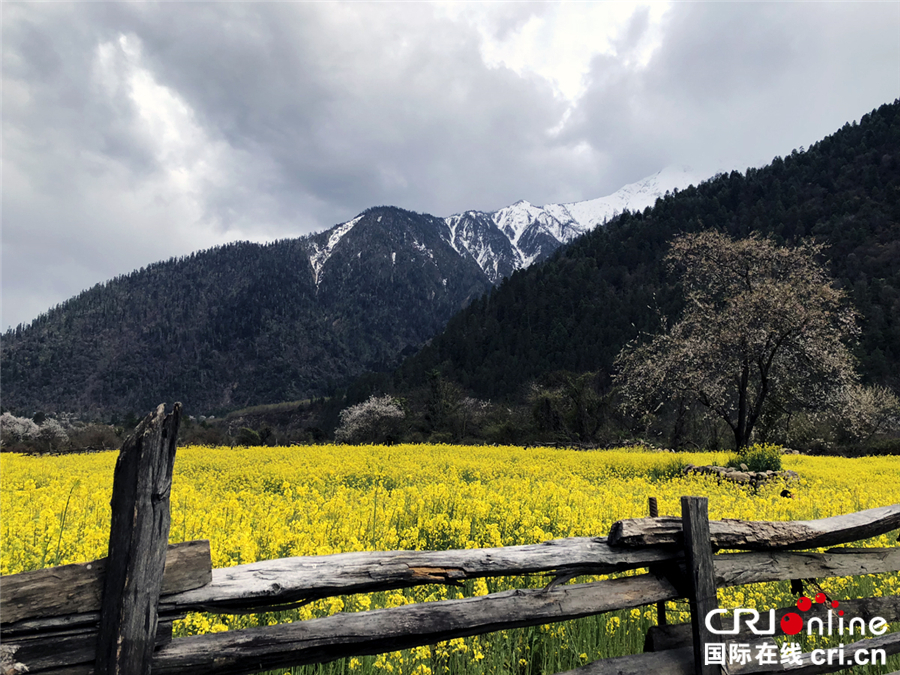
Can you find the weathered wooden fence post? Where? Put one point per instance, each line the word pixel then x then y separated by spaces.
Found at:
pixel 701 577
pixel 138 538
pixel 660 606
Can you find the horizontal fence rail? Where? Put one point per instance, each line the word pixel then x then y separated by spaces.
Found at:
pixel 762 535
pixel 78 588
pixel 315 641
pixel 273 585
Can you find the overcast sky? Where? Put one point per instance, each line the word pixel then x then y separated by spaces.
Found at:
pixel 136 132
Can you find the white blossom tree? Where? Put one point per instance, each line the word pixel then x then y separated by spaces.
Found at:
pixel 16 429
pixel 867 411
pixel 376 420
pixel 51 435
pixel 762 326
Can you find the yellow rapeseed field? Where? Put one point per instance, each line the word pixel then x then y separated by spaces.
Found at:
pixel 261 503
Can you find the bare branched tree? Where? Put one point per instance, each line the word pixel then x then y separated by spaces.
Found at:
pixel 762 326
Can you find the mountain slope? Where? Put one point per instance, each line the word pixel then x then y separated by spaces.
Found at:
pixel 577 310
pixel 249 324
pixel 244 323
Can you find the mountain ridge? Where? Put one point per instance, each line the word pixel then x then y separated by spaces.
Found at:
pixel 249 323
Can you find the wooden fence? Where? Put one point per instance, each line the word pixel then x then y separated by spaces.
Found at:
pixel 115 615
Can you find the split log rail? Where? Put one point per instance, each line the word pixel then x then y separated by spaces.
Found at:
pixel 114 616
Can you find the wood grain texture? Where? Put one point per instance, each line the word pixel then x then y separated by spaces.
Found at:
pixel 50 652
pixel 761 535
pixel 139 535
pixel 271 583
pixel 701 577
pixel 321 640
pixel 342 635
pixel 78 588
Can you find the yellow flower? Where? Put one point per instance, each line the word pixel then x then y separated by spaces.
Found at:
pixel 265 503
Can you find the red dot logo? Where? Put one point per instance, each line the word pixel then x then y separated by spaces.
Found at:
pixel 834 603
pixel 804 604
pixel 820 598
pixel 791 623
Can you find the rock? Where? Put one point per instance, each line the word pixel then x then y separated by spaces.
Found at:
pixel 744 467
pixel 745 477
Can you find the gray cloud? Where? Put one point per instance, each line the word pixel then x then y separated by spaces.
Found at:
pixel 742 82
pixel 134 132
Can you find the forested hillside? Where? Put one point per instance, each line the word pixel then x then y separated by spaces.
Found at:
pixel 576 311
pixel 249 324
pixel 244 323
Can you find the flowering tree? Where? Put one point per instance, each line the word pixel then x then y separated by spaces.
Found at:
pixel 376 420
pixel 762 327
pixel 867 411
pixel 16 429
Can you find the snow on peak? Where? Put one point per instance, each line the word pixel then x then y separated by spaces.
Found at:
pixel 634 196
pixel 515 236
pixel 560 222
pixel 319 256
pixel 514 220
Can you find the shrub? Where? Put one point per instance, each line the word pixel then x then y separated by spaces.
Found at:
pixel 672 468
pixel 883 446
pixel 247 437
pixel 94 437
pixel 758 457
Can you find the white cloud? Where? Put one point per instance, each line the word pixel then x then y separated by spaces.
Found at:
pixel 558 41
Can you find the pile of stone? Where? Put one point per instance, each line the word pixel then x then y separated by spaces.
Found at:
pixel 742 475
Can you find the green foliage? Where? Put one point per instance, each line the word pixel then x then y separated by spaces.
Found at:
pixel 672 468
pixel 247 437
pixel 569 407
pixel 758 457
pixel 883 446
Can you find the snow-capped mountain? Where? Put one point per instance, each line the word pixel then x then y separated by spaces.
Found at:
pixel 518 235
